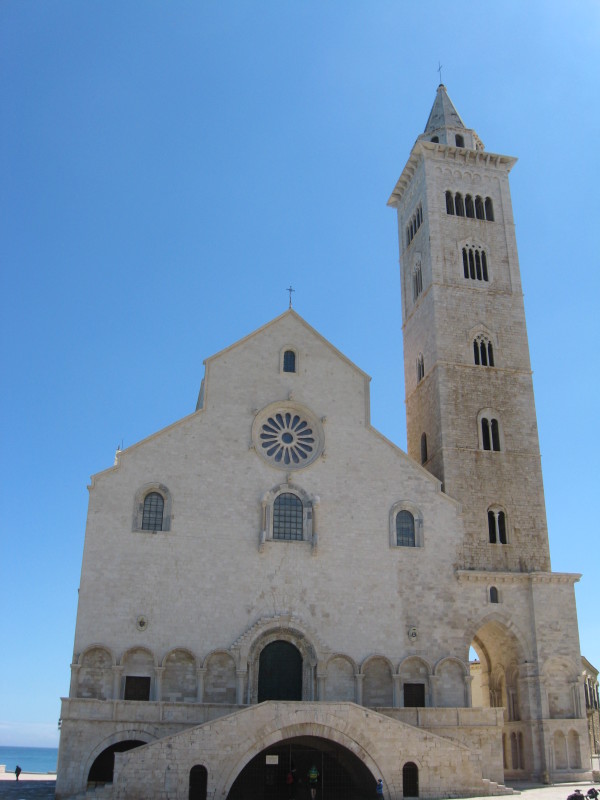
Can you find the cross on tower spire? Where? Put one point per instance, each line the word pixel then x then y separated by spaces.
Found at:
pixel 290 290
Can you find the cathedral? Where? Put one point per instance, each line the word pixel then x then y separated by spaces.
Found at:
pixel 278 603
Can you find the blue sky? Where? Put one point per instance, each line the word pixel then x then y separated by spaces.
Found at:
pixel 168 168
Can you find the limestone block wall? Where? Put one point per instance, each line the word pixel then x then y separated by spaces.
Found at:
pixel 162 769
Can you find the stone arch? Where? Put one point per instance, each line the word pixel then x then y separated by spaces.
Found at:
pixel 141 732
pixel 450 676
pixel 559 746
pixel 220 677
pixel 131 654
pixel 340 681
pixel 574 749
pixel 414 671
pixel 139 663
pixel 500 644
pixel 179 678
pixel 350 739
pixel 307 652
pixel 378 687
pixel 95 673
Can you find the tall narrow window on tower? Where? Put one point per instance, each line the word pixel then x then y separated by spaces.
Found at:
pixel 490 433
pixel 420 368
pixel 497 526
pixel 414 224
pixel 475 263
pixel 483 352
pixel 417 280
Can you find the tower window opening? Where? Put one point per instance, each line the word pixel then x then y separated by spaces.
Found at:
pixel 460 141
pixel 459 205
pixel 435 139
pixel 497 527
pixel 449 203
pixel 490 434
pixel 483 352
pixel 420 368
pixel 417 281
pixel 493 594
pixel 414 224
pixel 469 207
pixel 475 266
pixel 489 209
pixel 423 448
pixel 479 209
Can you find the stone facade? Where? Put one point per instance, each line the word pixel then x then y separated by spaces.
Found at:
pixel 273 546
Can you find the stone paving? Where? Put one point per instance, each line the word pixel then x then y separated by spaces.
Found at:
pixel 44 790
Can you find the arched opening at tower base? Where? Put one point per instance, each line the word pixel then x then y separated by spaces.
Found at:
pixel 282 772
pixel 103 767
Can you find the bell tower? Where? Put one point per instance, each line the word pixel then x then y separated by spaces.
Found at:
pixel 469 394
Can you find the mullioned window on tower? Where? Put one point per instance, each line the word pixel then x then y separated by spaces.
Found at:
pixel 468 206
pixel 475 265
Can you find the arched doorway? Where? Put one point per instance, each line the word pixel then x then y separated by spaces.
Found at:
pixel 280 672
pixel 103 767
pixel 341 774
pixel 198 781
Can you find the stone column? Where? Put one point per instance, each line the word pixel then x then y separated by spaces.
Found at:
pixel 358 687
pixel 468 696
pixel 74 679
pixel 398 700
pixel 158 672
pixel 117 672
pixel 240 675
pixel 321 681
pixel 433 690
pixel 200 673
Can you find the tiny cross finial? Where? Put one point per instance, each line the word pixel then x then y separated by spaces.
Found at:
pixel 439 69
pixel 290 290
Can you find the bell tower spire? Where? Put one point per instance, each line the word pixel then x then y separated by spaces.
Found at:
pixel 469 395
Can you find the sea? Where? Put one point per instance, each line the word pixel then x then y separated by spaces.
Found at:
pixel 30 759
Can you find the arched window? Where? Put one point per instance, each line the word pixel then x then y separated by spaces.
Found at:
pixel 490 434
pixel 405 529
pixel 288 514
pixel 469 208
pixel 460 142
pixel 489 209
pixel 152 516
pixel 417 280
pixel 435 139
pixel 483 352
pixel 152 508
pixel 420 368
pixel 423 448
pixel 459 205
pixel 289 361
pixel 449 203
pixel 479 209
pixel 493 594
pixel 497 527
pixel 410 780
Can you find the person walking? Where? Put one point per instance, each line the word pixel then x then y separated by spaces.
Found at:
pixel 18 771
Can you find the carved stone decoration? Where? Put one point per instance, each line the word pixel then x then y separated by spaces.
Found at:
pixel 287 435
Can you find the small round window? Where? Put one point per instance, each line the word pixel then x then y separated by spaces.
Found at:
pixel 287 435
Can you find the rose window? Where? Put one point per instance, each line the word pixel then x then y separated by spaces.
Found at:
pixel 287 436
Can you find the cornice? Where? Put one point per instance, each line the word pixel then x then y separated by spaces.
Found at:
pixel 483 576
pixel 446 152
